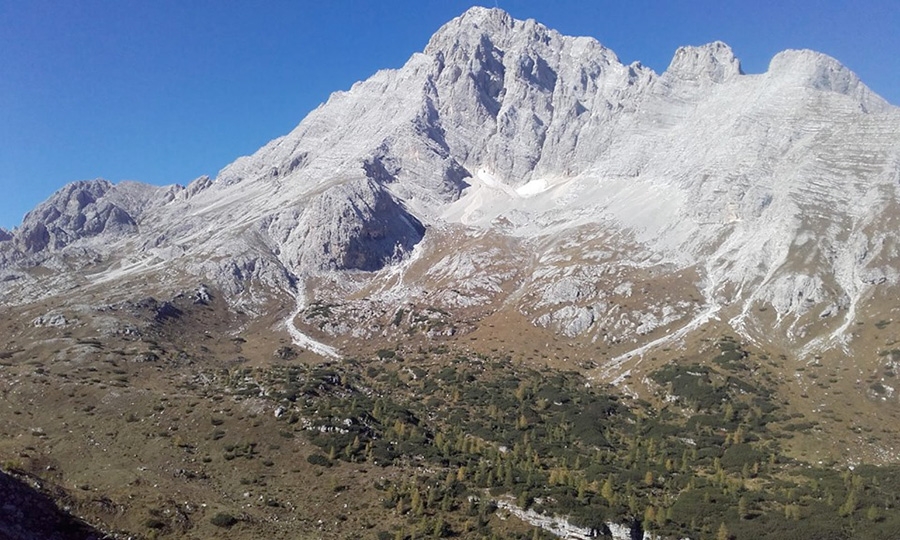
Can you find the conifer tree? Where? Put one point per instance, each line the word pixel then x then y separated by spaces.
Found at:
pixel 607 491
pixel 723 533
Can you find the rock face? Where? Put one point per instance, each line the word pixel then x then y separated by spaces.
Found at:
pixel 77 211
pixel 515 97
pixel 356 225
pixel 711 64
pixel 777 190
pixel 94 209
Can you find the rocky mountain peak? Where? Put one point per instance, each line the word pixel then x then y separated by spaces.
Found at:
pixel 509 90
pixel 714 62
pixel 486 35
pixel 485 17
pixel 818 71
pixel 72 198
pixel 77 210
pixel 476 21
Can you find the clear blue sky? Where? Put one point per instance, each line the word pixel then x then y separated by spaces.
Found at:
pixel 164 91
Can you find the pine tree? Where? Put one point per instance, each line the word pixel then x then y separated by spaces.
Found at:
pixel 522 422
pixel 440 528
pixel 661 518
pixel 792 511
pixel 582 489
pixel 743 508
pixel 554 477
pixel 607 491
pixel 449 479
pixel 849 505
pixel 378 410
pixel 524 500
pixel 723 533
pixel 416 502
pixel 685 462
pixel 522 391
pixel 729 413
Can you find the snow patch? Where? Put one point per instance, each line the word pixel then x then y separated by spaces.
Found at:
pixel 532 188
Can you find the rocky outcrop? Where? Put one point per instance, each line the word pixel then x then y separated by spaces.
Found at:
pixel 356 225
pixel 79 210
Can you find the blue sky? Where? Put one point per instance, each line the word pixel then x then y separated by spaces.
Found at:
pixel 164 91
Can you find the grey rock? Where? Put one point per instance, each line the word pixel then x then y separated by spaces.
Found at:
pixel 53 320
pixel 356 225
pixel 79 210
pixel 202 295
pixel 712 63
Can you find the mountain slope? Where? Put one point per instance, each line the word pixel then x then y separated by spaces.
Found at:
pixel 513 269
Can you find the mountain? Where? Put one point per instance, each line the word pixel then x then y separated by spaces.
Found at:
pixel 776 190
pixel 689 238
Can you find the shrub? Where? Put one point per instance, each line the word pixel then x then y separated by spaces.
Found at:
pixel 319 459
pixel 154 523
pixel 223 519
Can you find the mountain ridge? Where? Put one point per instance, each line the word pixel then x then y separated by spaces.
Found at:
pixel 506 127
